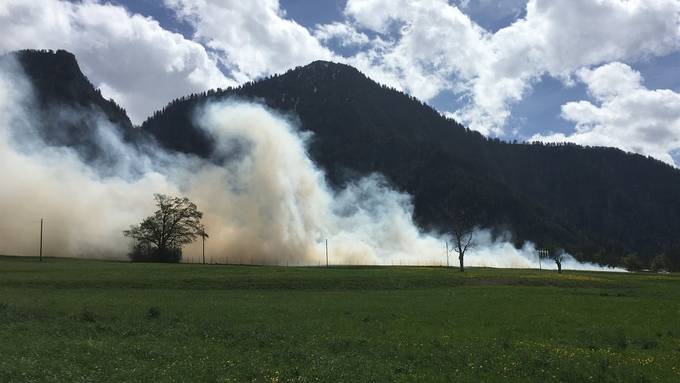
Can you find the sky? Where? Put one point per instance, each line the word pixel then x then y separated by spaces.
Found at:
pixel 593 72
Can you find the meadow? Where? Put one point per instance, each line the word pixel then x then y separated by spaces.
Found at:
pixel 68 320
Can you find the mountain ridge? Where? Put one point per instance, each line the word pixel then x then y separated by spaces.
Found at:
pixel 68 104
pixel 598 203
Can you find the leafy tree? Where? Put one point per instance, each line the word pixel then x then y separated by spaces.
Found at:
pixel 160 237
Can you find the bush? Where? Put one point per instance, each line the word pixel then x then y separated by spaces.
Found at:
pixel 169 255
pixel 660 263
pixel 147 253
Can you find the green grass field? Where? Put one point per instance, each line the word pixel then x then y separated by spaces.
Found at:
pixel 92 321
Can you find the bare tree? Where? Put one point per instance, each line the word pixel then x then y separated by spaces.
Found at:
pixel 558 257
pixel 176 223
pixel 462 238
pixel 462 227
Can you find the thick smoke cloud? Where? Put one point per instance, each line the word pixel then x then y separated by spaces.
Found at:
pixel 83 211
pixel 264 200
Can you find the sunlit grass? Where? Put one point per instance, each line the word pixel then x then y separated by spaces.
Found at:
pixel 84 321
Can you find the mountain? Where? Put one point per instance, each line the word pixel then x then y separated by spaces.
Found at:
pixel 69 105
pixel 598 203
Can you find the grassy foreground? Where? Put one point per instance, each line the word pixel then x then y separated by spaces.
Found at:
pixel 89 321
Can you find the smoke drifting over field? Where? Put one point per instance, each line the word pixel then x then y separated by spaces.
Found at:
pixel 83 211
pixel 264 199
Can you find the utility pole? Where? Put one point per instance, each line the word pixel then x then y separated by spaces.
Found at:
pixel 41 238
pixel 204 235
pixel 326 252
pixel 542 253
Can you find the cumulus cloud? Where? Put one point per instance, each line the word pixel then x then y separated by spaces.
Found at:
pixel 422 47
pixel 344 34
pixel 421 58
pixel 434 46
pixel 430 46
pixel 252 37
pixel 625 114
pixel 130 57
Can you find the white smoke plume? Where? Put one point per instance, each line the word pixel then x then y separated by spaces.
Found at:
pixel 265 202
pixel 83 211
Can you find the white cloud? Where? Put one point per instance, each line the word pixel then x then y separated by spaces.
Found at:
pixel 345 34
pixel 626 114
pixel 433 46
pixel 253 37
pixel 420 58
pixel 130 57
pixel 377 15
pixel 422 47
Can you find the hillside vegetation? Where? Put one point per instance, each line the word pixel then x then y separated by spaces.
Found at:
pixel 600 204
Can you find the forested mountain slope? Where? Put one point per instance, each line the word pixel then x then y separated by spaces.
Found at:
pixel 69 106
pixel 598 203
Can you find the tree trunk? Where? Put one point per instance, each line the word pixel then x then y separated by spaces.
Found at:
pixel 462 268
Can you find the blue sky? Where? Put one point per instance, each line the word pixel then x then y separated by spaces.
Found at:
pixel 538 111
pixel 594 73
